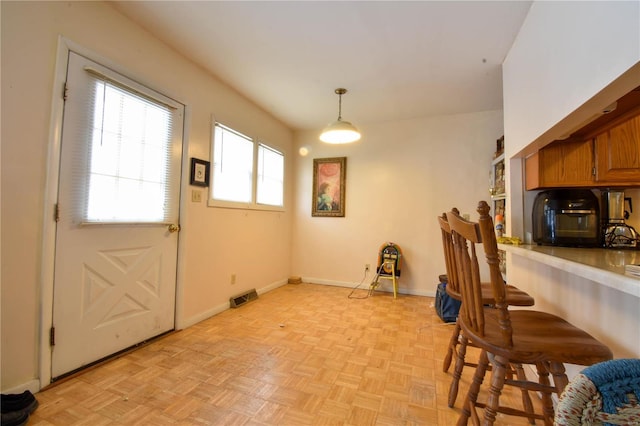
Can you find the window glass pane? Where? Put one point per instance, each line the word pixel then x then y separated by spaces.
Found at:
pixel 270 182
pixel 232 166
pixel 130 154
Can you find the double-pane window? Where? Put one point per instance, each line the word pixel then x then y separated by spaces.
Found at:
pixel 246 173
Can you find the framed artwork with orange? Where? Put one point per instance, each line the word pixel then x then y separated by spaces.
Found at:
pixel 328 196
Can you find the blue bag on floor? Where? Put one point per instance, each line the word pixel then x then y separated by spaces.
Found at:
pixel 447 307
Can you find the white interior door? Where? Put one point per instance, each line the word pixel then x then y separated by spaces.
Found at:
pixel 118 210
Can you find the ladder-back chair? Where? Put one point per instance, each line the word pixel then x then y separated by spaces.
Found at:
pixel 511 336
pixel 514 296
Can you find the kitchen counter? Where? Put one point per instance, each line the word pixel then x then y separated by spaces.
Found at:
pixel 585 286
pixel 605 266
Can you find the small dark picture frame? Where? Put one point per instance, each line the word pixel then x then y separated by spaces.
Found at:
pixel 199 172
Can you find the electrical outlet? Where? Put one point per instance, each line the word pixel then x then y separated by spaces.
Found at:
pixel 233 279
pixel 466 216
pixel 367 267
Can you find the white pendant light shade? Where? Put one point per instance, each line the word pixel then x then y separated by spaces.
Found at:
pixel 340 131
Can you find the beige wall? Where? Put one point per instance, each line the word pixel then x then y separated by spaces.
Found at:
pixel 565 54
pixel 214 243
pixel 400 176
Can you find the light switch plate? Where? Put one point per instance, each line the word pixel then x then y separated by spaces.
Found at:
pixel 196 196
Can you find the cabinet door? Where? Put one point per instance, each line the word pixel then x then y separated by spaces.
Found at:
pixel 561 164
pixel 618 153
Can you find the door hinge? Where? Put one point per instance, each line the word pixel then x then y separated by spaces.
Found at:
pixel 593 171
pixel 52 336
pixel 65 91
pixel 56 213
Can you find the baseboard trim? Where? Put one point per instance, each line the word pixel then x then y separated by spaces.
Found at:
pixel 32 385
pixel 272 286
pixel 384 286
pixel 188 322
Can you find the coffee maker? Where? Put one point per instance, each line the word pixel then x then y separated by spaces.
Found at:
pixel 616 233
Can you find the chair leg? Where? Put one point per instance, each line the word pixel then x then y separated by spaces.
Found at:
pixel 461 353
pixel 395 284
pixel 526 398
pixel 453 343
pixel 474 389
pixel 498 375
pixel 547 402
pixel 560 380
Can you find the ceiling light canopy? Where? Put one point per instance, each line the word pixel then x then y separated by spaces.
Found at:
pixel 340 131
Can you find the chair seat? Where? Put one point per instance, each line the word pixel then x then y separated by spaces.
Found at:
pixel 514 296
pixel 539 336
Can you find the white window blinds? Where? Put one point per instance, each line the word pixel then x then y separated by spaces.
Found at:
pixel 232 165
pixel 270 183
pixel 123 167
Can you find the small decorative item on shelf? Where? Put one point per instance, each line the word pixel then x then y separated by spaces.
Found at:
pixel 497 189
pixel 499 147
pixel 498 185
pixel 499 224
pixel 497 176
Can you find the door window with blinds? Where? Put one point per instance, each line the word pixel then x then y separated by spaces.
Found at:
pixel 246 173
pixel 124 170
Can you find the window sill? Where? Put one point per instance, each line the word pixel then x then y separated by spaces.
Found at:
pixel 243 206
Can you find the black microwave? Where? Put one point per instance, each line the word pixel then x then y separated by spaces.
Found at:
pixel 566 217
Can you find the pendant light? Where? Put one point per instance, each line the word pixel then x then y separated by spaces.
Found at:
pixel 340 131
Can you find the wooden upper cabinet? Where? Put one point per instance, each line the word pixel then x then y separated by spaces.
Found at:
pixel 618 154
pixel 606 157
pixel 561 164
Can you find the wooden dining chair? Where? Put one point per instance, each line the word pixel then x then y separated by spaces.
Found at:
pixel 458 342
pixel 510 336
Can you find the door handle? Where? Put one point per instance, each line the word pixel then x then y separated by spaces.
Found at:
pixel 174 228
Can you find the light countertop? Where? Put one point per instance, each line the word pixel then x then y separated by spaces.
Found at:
pixel 605 266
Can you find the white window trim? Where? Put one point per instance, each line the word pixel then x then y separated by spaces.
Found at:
pixel 253 205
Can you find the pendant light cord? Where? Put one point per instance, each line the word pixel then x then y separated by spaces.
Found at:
pixel 340 91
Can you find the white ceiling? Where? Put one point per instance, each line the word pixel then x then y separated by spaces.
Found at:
pixel 399 60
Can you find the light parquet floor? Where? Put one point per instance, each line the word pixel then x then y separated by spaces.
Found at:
pixel 301 354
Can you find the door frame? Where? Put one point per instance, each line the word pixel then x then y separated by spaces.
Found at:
pixel 51 198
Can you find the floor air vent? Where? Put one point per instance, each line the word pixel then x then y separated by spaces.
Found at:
pixel 243 298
